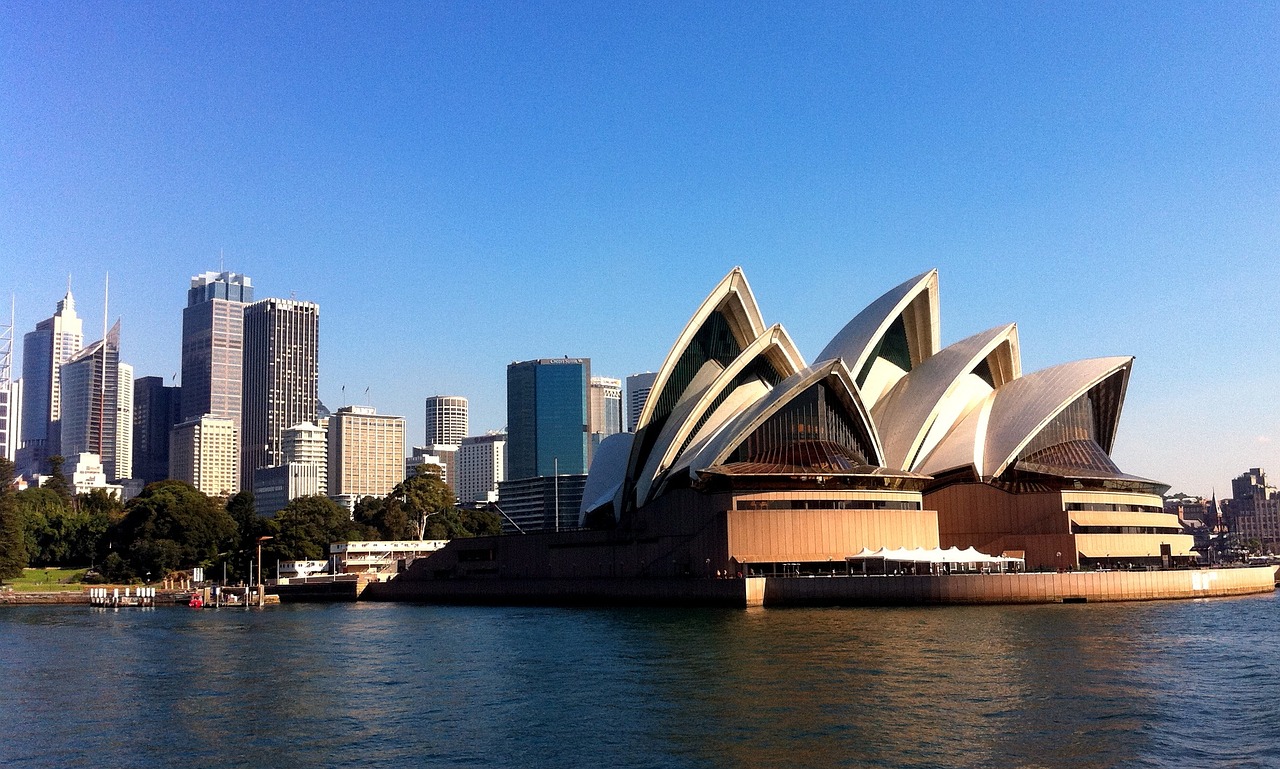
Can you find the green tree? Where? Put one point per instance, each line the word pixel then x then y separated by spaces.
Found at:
pixel 249 524
pixel 13 545
pixel 456 523
pixel 57 482
pixel 413 500
pixel 47 525
pixel 169 525
pixel 99 511
pixel 307 525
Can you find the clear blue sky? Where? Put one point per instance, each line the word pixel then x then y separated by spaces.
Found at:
pixel 463 185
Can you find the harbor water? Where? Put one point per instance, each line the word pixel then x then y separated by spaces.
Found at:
pixel 1178 683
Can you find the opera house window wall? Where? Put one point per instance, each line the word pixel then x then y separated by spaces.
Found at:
pixel 746 460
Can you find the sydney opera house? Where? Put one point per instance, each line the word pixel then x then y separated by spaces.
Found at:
pixel 889 454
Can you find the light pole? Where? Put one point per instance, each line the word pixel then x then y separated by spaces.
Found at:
pixel 260 593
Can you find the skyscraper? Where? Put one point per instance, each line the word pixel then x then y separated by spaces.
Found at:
pixel 606 409
pixel 638 386
pixel 97 406
pixel 213 346
pixel 481 466
pixel 281 378
pixel 156 410
pixel 446 420
pixel 8 417
pixel 308 444
pixel 202 453
pixel 547 417
pixel 366 452
pixel 44 351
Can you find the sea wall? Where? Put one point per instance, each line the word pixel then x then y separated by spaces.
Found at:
pixel 838 591
pixel 1068 587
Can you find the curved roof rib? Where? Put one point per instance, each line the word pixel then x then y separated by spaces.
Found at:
pixel 870 344
pixel 773 349
pixel 1021 410
pixel 717 448
pixel 729 308
pixel 915 415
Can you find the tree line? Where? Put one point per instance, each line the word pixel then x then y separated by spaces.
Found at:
pixel 173 526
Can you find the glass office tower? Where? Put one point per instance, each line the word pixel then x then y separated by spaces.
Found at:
pixel 548 417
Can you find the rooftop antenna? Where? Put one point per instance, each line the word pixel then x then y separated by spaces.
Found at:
pixel 222 267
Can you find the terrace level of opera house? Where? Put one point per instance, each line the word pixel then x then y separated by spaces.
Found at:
pixel 755 476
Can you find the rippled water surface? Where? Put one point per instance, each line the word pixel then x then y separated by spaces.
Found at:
pixel 371 685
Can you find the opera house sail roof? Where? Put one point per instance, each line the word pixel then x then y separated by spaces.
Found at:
pixel 734 398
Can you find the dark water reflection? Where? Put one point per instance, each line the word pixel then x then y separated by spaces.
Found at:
pixel 1161 684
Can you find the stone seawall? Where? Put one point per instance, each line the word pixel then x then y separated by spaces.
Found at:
pixel 1078 587
pixel 16 598
pixel 1075 587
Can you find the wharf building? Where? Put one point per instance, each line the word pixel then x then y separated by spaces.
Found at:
pixel 156 410
pixel 281 379
pixel 606 409
pixel 97 406
pixel 202 452
pixel 366 453
pixel 548 437
pixel 44 350
pixel 638 387
pixel 749 461
pixel 482 461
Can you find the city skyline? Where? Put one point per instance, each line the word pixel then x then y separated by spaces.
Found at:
pixel 1120 165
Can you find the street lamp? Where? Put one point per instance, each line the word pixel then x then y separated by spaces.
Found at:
pixel 260 594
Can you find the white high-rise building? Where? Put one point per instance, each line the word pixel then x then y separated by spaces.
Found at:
pixel 124 422
pixel 308 444
pixel 638 386
pixel 9 418
pixel 447 422
pixel 14 437
pixel 482 461
pixel 200 453
pixel 44 351
pixel 366 452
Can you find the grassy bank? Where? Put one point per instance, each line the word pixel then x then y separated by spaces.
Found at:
pixel 47 580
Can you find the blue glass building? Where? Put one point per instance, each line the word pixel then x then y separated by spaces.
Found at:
pixel 548 417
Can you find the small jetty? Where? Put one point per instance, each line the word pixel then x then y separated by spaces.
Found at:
pixel 141 597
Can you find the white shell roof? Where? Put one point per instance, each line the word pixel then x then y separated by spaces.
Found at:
pixel 774 344
pixel 733 297
pixel 992 436
pixel 608 473
pixel 910 411
pixel 855 342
